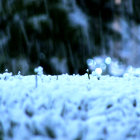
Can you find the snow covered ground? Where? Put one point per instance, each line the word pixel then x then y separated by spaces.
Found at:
pixel 69 107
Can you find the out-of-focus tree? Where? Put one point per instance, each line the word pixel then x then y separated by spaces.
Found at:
pixel 59 34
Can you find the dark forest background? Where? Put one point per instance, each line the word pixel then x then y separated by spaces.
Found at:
pixel 60 35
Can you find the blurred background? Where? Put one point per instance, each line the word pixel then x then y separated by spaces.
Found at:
pixel 64 36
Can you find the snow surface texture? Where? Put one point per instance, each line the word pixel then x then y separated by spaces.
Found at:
pixel 64 107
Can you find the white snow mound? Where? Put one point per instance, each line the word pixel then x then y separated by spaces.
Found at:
pixel 68 107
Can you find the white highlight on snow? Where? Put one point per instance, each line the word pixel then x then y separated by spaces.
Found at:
pixel 38 70
pixel 87 70
pixel 108 60
pixel 98 71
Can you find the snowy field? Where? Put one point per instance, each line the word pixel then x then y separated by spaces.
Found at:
pixel 68 107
